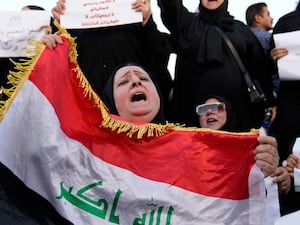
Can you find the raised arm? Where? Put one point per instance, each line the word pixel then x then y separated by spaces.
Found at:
pixel 144 7
pixel 175 16
pixel 59 9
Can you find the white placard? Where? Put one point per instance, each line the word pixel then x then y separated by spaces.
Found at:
pixel 81 14
pixel 289 219
pixel 296 151
pixel 288 66
pixel 17 28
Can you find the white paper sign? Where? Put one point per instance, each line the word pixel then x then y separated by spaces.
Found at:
pixel 289 66
pixel 98 13
pixel 17 28
pixel 296 151
pixel 289 219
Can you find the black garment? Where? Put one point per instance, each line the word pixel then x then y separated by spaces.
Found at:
pixel 21 206
pixel 286 124
pixel 205 66
pixel 265 38
pixel 4 68
pixel 230 124
pixel 6 65
pixel 108 95
pixel 288 22
pixel 101 50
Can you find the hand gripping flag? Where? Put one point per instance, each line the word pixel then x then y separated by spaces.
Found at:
pixel 60 140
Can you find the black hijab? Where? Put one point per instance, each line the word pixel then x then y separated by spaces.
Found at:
pixel 211 50
pixel 219 17
pixel 230 124
pixel 108 95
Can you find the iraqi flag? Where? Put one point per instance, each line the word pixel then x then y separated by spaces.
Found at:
pixel 60 140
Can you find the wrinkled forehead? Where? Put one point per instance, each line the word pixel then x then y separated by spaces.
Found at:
pixel 127 69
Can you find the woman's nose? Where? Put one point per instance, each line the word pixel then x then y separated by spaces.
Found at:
pixel 135 81
pixel 209 111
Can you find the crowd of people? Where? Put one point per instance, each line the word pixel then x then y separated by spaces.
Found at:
pixel 127 67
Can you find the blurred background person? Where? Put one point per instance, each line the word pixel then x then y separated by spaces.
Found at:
pixel 260 21
pixel 286 124
pixel 205 65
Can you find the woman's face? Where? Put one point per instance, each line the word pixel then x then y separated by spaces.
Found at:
pixel 212 4
pixel 135 95
pixel 212 117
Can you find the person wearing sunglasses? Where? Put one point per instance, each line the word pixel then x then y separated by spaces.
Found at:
pixel 216 112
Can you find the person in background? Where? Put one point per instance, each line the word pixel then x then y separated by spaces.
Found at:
pixel 205 65
pixel 216 112
pixel 286 124
pixel 100 50
pixel 259 20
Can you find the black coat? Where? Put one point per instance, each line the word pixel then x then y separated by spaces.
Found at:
pixel 286 126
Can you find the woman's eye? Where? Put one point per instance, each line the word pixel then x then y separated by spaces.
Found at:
pixel 144 78
pixel 123 82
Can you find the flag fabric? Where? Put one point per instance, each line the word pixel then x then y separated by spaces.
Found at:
pixel 95 168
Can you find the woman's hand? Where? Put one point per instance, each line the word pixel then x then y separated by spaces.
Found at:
pixel 283 179
pixel 290 163
pixel 51 40
pixel 144 7
pixel 266 154
pixel 59 9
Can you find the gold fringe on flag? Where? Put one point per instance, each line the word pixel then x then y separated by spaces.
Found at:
pixel 19 75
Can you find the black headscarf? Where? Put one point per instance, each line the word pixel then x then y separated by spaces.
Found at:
pixel 108 95
pixel 219 17
pixel 230 124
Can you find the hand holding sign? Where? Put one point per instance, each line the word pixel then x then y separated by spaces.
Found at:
pixel 17 28
pixel 99 13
